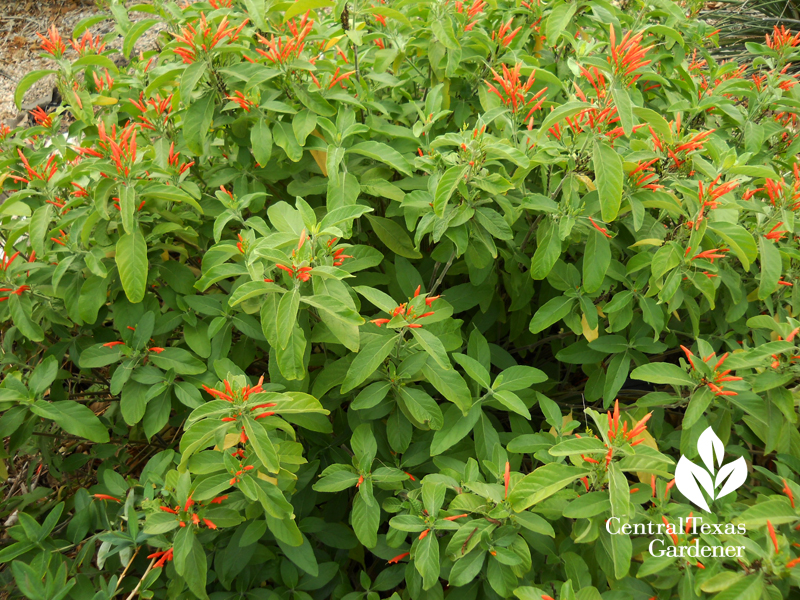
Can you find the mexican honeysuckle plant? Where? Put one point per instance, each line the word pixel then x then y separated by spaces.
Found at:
pixel 411 299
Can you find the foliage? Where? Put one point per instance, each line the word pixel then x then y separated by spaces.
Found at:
pixel 328 300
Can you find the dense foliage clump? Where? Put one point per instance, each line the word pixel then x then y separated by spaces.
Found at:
pixel 357 299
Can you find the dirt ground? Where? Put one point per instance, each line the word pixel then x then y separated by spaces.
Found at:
pixel 20 20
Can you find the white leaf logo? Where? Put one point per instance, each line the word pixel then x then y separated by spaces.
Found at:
pixel 690 478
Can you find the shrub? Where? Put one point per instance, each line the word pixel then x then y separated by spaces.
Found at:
pixel 422 298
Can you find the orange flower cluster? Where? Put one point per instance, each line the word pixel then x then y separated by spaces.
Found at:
pixel 46 174
pixel 174 158
pixel 720 377
pixel 781 39
pixel 162 107
pixel 101 83
pixel 243 102
pixel 643 176
pixel 514 92
pixel 88 44
pixel 53 44
pixel 709 198
pixel 475 9
pixel 408 313
pixel 14 292
pixel 502 35
pixel 189 513
pixel 41 117
pixel 202 37
pixel 282 50
pixel 628 55
pixel 163 557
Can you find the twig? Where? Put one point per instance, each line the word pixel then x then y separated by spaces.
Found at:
pixel 125 572
pixel 136 589
pixel 444 272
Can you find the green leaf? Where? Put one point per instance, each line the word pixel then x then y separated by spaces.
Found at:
pixel 367 360
pixel 449 384
pixel 131 258
pixel 99 356
pixel 181 361
pixel 286 316
pixel 608 177
pixel 298 7
pixel 170 193
pixel 750 587
pixel 620 549
pixel 20 310
pixel 455 428
pixel 546 254
pixel 261 142
pixel 543 483
pixel 518 377
pixel 26 82
pixel 383 153
pixel 624 107
pixel 426 560
pixel 433 346
pixel 73 418
pixel 663 373
pixel 553 311
pixel 583 445
pixel 771 267
pixel 474 369
pixel 738 238
pixel 447 185
pixel 559 18
pixel 262 445
pixel 134 33
pixel 197 122
pixel 596 260
pixel 365 519
pixel 394 236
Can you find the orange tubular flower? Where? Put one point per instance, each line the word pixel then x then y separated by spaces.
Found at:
pixel 602 230
pixel 398 558
pixel 775 235
pixel 787 490
pixel 202 38
pixel 105 497
pixel 424 534
pixel 163 557
pixel 669 487
pixel 772 536
pixel 453 518
pixel 507 477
